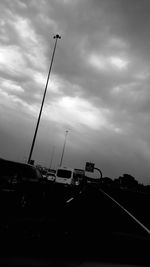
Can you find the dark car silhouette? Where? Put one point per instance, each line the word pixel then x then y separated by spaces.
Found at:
pixel 12 172
pixel 22 179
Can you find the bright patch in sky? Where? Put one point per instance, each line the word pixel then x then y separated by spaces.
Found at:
pixel 13 102
pixel 25 31
pixel 99 62
pixel 76 112
pixel 11 86
pixel 118 62
pixel 106 63
pixel 54 84
pixel 29 40
pixel 11 59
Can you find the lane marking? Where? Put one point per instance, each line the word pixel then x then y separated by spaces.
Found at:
pixel 70 199
pixel 134 218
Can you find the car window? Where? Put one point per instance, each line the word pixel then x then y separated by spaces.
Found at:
pixel 64 173
pixel 50 174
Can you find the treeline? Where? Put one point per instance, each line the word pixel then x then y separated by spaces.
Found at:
pixel 126 181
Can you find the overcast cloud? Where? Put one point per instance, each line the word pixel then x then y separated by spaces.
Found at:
pixel 98 88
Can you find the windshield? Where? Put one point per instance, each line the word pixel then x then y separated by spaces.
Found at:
pixel 64 173
pixel 50 174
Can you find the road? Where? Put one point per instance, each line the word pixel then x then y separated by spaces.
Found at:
pixel 83 224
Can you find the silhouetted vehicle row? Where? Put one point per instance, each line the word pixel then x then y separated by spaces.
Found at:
pixel 14 173
pixel 23 185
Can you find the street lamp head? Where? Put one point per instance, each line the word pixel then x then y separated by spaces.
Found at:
pixel 57 36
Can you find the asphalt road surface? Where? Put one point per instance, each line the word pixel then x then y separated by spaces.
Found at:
pixel 63 223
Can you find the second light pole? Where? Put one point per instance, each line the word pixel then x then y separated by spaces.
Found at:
pixel 63 148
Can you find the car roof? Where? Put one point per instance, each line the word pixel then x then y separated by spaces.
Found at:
pixel 5 161
pixel 65 169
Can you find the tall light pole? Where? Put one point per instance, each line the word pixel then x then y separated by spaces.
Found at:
pixel 63 148
pixel 56 37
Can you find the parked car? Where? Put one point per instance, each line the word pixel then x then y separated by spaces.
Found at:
pixel 43 173
pixel 22 179
pixel 12 172
pixel 51 176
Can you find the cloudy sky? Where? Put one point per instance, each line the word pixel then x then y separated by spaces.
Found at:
pixel 98 89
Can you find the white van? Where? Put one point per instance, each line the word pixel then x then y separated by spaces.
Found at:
pixel 64 175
